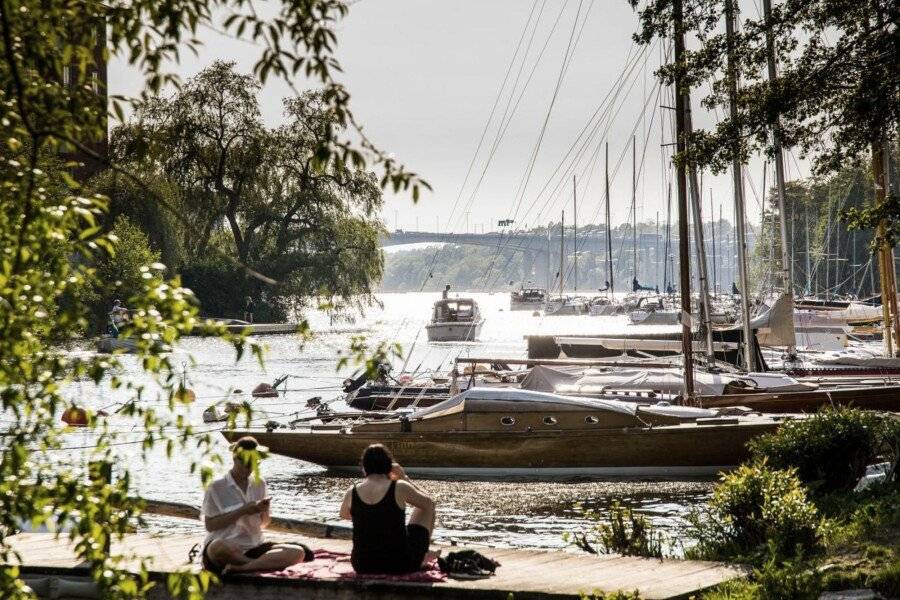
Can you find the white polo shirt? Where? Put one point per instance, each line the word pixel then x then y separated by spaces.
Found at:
pixel 223 496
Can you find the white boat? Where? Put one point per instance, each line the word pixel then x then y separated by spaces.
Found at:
pixel 566 306
pixel 455 320
pixel 527 299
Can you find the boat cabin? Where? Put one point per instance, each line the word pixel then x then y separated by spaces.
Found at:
pixel 530 295
pixel 455 310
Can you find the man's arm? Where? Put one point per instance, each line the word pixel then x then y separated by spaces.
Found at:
pixel 225 519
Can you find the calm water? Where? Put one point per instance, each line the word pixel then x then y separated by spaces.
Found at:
pixel 498 513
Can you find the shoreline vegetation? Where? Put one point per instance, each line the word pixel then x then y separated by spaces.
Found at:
pixel 793 513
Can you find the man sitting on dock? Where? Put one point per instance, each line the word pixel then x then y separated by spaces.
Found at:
pixel 383 542
pixel 235 511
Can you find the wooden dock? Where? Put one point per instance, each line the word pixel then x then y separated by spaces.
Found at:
pixel 49 566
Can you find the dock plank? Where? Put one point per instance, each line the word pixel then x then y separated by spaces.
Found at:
pixel 529 574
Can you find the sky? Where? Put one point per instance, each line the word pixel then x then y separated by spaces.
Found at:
pixel 424 76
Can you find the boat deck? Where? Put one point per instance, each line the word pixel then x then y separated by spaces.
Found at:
pixel 526 574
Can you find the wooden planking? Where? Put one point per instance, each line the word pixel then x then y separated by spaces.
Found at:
pixel 533 573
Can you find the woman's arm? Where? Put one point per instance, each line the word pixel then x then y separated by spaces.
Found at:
pixel 408 493
pixel 345 505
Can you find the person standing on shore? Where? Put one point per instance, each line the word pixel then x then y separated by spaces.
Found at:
pixel 249 307
pixel 235 511
pixel 383 542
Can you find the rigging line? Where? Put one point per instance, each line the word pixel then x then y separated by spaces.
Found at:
pixel 613 96
pixel 486 128
pixel 505 126
pixel 567 61
pixel 577 159
pixel 574 163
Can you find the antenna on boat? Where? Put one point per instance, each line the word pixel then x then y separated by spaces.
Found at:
pixel 681 177
pixel 562 253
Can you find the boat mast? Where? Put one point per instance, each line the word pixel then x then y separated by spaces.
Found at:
pixel 668 246
pixel 575 231
pixel 681 178
pixel 786 280
pixel 737 173
pixel 562 253
pixel 712 227
pixel 656 252
pixel 612 287
pixel 702 273
pixel 634 204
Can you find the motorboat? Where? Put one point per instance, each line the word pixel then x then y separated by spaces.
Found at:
pixel 527 299
pixel 504 432
pixel 455 320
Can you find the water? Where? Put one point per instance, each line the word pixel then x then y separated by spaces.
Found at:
pixel 522 514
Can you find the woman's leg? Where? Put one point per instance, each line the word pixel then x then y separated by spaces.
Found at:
pixel 279 557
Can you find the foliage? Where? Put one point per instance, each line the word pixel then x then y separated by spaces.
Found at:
pixel 887 580
pixel 617 595
pixel 756 510
pixel 51 231
pixel 121 273
pixel 835 96
pixel 829 450
pixel 265 195
pixel 791 579
pixel 621 532
pixel 814 208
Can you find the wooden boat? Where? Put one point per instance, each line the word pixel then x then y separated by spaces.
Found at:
pixel 502 432
pixel 527 299
pixel 455 320
pixel 108 344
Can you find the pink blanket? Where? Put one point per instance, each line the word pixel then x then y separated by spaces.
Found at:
pixel 336 565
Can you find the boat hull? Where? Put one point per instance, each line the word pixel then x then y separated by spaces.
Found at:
pixel 669 451
pixel 454 332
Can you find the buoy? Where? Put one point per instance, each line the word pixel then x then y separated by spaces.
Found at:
pixel 75 416
pixel 186 395
pixel 264 390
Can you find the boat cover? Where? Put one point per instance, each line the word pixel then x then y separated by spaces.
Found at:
pixel 577 380
pixel 518 400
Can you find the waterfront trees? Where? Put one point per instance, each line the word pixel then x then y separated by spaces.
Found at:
pixel 265 196
pixel 52 238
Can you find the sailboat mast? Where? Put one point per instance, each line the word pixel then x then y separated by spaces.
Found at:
pixel 712 227
pixel 737 175
pixel 575 231
pixel 562 253
pixel 681 178
pixel 612 286
pixel 786 278
pixel 634 205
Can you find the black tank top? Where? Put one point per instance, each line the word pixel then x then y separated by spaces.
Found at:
pixel 379 535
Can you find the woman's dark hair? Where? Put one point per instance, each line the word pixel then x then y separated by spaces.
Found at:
pixel 377 460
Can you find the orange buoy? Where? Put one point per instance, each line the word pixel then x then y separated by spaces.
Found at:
pixel 75 416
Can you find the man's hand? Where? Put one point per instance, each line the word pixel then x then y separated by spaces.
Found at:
pixel 257 506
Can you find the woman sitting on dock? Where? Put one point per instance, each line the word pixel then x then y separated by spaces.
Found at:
pixel 382 540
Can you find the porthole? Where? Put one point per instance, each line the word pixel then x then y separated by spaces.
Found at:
pixel 549 420
pixel 591 420
pixel 507 421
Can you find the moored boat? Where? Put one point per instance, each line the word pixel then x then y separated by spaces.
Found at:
pixel 497 432
pixel 527 299
pixel 455 320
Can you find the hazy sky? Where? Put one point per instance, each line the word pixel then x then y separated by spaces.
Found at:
pixel 424 75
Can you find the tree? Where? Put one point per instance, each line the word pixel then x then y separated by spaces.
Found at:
pixel 304 220
pixel 51 235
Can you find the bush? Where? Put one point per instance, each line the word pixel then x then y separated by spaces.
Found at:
pixel 621 532
pixel 119 275
pixel 887 580
pixel 830 449
pixel 754 509
pixel 787 580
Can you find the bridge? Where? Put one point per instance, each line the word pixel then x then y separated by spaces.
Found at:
pixel 541 255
